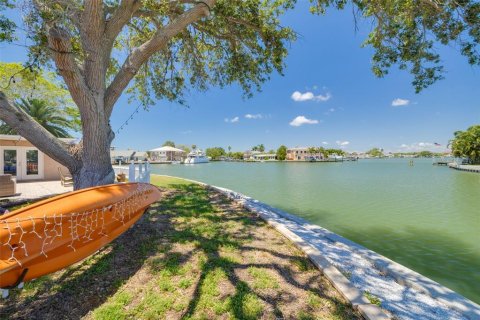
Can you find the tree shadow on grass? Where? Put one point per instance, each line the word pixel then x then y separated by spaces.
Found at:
pixel 210 238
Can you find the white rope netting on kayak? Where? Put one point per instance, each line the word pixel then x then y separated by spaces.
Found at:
pixel 34 236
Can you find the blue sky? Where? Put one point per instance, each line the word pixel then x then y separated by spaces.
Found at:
pixel 343 105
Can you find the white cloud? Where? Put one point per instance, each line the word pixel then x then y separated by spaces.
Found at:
pixel 186 132
pixel 325 142
pixel 342 143
pixel 301 120
pixel 299 97
pixel 233 120
pixel 400 102
pixel 253 116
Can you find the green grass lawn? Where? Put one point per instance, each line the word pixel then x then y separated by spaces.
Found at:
pixel 168 182
pixel 194 255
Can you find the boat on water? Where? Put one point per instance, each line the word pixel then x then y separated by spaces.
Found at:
pixel 52 234
pixel 196 156
pixel 335 157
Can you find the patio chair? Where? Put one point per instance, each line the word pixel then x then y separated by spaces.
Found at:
pixel 65 180
pixel 7 185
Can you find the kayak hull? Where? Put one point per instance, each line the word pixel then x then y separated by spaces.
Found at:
pixel 55 233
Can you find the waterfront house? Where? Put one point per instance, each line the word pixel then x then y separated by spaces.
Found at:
pixel 24 161
pixel 249 155
pixel 166 154
pixel 303 154
pixel 264 157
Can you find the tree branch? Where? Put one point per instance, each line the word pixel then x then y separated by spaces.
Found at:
pixel 28 128
pixel 247 24
pixel 120 18
pixel 142 53
pixel 61 48
pixel 92 17
pixel 92 36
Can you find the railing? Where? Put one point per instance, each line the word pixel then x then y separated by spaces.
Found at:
pixel 139 172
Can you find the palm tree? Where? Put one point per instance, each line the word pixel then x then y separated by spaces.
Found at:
pixel 47 116
pixel 325 152
pixel 467 144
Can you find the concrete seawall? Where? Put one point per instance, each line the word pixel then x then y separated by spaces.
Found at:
pixel 463 167
pixel 358 272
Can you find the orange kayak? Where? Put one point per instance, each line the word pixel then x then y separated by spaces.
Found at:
pixel 55 233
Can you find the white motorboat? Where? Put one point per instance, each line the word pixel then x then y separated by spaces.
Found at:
pixel 196 156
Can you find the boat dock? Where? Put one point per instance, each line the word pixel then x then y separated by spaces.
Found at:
pixel 440 163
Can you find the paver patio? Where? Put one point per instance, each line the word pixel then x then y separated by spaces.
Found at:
pixel 37 189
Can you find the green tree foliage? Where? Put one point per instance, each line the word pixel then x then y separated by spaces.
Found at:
pixel 184 148
pixel 312 150
pixel 282 153
pixel 241 41
pixel 260 148
pixel 404 33
pixel 7 27
pixel 375 153
pixel 467 144
pixel 237 155
pixel 321 150
pixel 169 144
pixel 215 153
pixel 426 154
pixel 47 116
pixel 18 82
pixel 338 152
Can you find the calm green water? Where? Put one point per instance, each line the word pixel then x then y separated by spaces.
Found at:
pixel 424 217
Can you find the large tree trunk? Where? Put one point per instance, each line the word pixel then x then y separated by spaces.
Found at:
pixel 97 137
pixel 94 174
pixel 97 168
